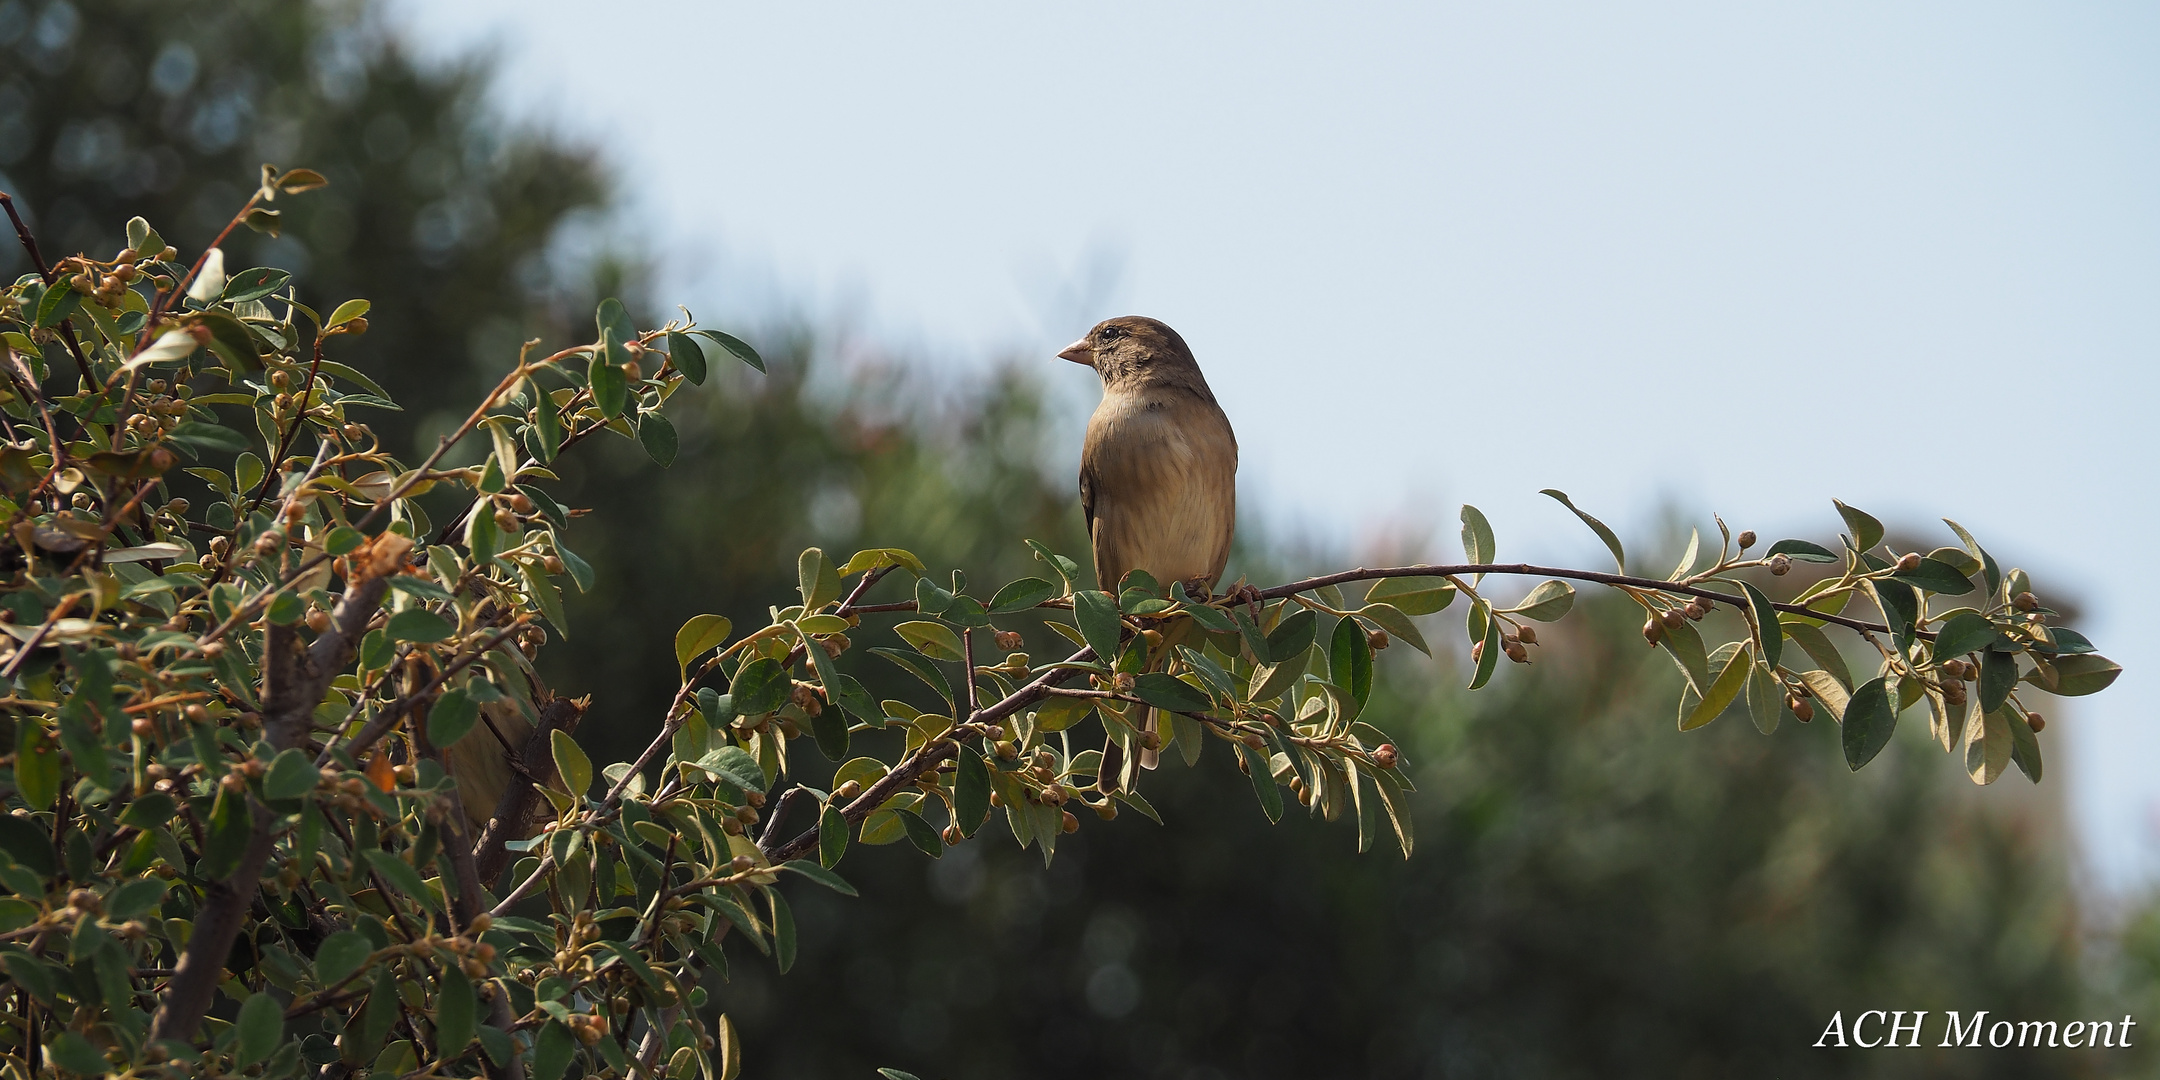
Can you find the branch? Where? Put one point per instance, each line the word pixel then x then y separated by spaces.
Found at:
pixel 1530 570
pixel 293 681
pixel 533 764
pixel 932 754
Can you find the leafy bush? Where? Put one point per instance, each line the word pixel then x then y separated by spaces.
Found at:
pixel 280 742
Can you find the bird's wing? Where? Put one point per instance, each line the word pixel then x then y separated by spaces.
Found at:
pixel 1221 456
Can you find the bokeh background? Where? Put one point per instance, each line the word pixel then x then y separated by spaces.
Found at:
pixel 1673 259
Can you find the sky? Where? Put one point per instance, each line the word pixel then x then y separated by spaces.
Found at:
pixel 1742 258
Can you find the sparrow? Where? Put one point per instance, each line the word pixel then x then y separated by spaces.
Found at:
pixel 1158 472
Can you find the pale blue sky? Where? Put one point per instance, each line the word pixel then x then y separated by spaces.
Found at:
pixel 1738 257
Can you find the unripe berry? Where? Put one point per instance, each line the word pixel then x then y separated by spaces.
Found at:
pixel 318 620
pixel 632 371
pixel 741 863
pixel 1384 755
pixel 1908 562
pixel 1378 639
pixel 143 726
pixel 1106 810
pixel 1516 652
pixel 1673 619
pixel 1652 630
pixel 1253 740
pixel 2036 721
pixel 1802 709
pixel 2025 601
pixel 1477 652
pixel 1780 563
pixel 1528 635
pixel 1069 822
pixel 1747 539
pixel 1007 640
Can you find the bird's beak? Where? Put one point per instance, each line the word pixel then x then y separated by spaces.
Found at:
pixel 1079 353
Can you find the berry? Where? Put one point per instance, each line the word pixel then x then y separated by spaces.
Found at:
pixel 1747 539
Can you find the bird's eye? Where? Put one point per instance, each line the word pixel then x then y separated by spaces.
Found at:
pixel 1112 333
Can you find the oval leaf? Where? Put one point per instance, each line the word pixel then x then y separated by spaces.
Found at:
pixel 932 639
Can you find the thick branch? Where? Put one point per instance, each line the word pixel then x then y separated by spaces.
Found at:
pixel 293 681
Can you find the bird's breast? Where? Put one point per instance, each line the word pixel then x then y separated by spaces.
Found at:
pixel 1165 478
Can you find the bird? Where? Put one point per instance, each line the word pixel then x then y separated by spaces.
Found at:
pixel 1158 470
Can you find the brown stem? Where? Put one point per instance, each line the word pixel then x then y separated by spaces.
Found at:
pixel 389 715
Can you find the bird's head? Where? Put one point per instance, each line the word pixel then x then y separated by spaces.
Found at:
pixel 1136 351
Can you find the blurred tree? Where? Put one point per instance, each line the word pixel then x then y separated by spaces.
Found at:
pixel 459 227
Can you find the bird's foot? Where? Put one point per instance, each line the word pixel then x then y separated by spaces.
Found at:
pixel 1249 596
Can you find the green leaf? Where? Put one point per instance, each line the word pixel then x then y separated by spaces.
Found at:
pixel 262 1027
pixel 553 1051
pixel 1068 571
pixel 74 1053
pixel 347 312
pixel 1900 606
pixel 914 665
pixel 1936 576
pixel 231 341
pixel 761 686
pixel 1169 692
pixel 832 835
pixel 1097 615
pixel 1488 654
pixel 453 714
pixel 1769 636
pixel 734 347
pixel 1870 719
pixel 830 728
pixel 971 791
pixel 820 874
pixel 816 579
pixel 37 764
pixel 896 1074
pixel 604 375
pixel 291 775
pixel 342 954
pixel 1819 648
pixel 1022 595
pixel 2024 745
pixel 1765 698
pixel 735 765
pixel 920 834
pixel 1714 701
pixel 1350 660
pixel 1292 636
pixel 657 435
pixel 1685 647
pixel 455 1010
pixel 1413 595
pixel 684 353
pixel 571 764
pixel 2080 674
pixel 254 284
pixel 56 304
pixel 208 438
pixel 700 635
pixel 1866 531
pixel 419 624
pixel 1391 619
pixel 1964 632
pixel 1802 551
pixel 1612 543
pixel 227 837
pixel 1477 536
pixel 1398 809
pixel 1263 782
pixel 401 875
pixel 544 593
pixel 134 898
pixel 1998 676
pixel 1549 602
pixel 932 639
